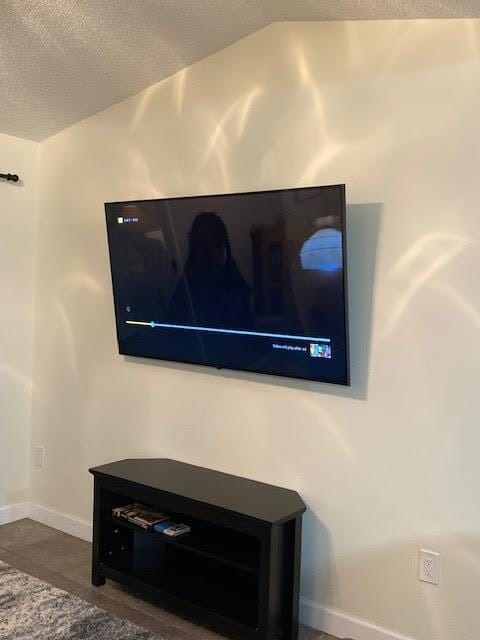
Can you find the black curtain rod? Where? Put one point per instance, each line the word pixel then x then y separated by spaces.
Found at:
pixel 12 177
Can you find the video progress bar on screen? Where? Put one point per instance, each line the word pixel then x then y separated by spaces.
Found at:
pixel 236 332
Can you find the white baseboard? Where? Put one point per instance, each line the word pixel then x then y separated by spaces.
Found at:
pixel 342 625
pixel 61 521
pixel 68 524
pixel 14 512
pixel 329 620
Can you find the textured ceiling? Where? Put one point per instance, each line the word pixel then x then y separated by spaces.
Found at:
pixel 64 60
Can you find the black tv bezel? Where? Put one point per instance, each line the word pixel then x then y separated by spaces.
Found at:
pixel 342 186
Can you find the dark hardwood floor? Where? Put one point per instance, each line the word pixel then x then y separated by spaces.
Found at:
pixel 64 561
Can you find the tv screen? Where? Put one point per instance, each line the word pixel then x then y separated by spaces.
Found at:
pixel 248 281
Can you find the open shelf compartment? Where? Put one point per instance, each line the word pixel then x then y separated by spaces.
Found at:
pixel 214 567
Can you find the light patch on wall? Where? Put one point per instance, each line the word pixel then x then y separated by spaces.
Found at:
pixel 398 43
pixel 419 264
pixel 239 108
pixel 81 280
pixel 326 422
pixel 143 184
pixel 329 148
pixel 245 110
pixel 145 98
pixel 69 336
pixel 179 88
pixel 16 375
pixel 460 301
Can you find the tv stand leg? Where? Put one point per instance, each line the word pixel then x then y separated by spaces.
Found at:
pixel 291 627
pixel 97 580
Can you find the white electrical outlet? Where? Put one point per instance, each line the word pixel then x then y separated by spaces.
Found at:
pixel 429 570
pixel 39 456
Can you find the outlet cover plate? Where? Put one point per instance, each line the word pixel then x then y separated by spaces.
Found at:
pixel 429 569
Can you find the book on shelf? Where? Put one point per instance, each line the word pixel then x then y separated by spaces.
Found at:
pixel 120 512
pixel 132 513
pixel 139 514
pixel 148 519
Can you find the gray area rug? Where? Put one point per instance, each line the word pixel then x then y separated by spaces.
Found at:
pixel 31 609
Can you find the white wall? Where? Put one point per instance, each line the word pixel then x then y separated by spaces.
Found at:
pixel 17 211
pixel 392 463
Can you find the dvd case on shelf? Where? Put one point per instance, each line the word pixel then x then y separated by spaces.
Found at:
pixel 171 529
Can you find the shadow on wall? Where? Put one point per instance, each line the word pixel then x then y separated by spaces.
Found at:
pixel 363 226
pixel 363 230
pixel 317 560
pixel 11 183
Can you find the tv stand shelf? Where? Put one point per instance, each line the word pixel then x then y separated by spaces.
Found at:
pixel 197 545
pixel 238 569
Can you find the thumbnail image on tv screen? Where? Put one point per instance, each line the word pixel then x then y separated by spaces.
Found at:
pixel 249 281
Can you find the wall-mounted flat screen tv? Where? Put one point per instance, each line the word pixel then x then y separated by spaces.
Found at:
pixel 247 281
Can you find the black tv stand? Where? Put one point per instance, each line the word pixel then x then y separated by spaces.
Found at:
pixel 238 569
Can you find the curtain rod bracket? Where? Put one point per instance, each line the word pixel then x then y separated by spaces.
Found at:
pixel 11 177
